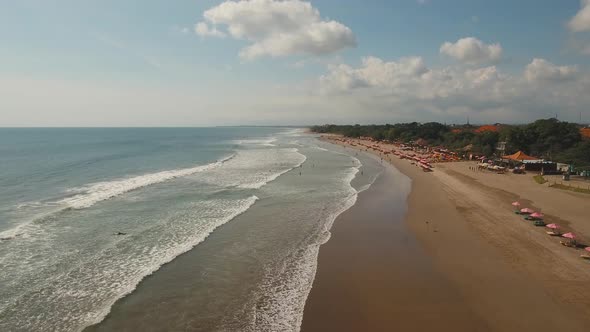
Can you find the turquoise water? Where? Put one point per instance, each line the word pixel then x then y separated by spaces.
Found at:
pixel 66 193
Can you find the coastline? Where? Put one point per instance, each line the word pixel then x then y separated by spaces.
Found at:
pixel 505 274
pixel 239 279
pixel 373 274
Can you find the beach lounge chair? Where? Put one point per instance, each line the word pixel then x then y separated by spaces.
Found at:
pixel 568 244
pixel 539 223
pixel 583 256
pixel 553 233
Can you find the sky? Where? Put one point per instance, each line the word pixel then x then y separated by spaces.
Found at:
pixel 292 62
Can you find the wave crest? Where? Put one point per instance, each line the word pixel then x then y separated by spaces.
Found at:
pixel 100 191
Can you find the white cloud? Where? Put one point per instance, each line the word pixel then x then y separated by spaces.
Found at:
pixel 377 90
pixel 203 30
pixel 408 77
pixel 277 28
pixel 472 50
pixel 408 89
pixel 581 21
pixel 374 73
pixel 543 70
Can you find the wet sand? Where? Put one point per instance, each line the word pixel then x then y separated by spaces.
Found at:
pixel 494 271
pixel 373 275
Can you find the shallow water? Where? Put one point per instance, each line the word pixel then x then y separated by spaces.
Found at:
pixel 254 204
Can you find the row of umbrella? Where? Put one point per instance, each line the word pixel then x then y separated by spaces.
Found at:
pixel 539 216
pixel 532 214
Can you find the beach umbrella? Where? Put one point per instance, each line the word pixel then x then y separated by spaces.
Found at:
pixel 515 204
pixel 569 235
pixel 587 249
pixel 537 215
pixel 552 226
pixel 526 210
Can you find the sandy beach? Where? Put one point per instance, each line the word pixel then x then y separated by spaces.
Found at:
pixel 475 265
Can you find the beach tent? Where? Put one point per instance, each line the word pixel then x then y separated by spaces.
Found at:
pixel 519 156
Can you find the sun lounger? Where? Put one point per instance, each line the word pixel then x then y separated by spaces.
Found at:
pixel 567 244
pixel 539 223
pixel 551 233
pixel 585 256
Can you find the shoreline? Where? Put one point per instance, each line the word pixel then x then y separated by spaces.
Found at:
pixel 344 297
pixel 495 262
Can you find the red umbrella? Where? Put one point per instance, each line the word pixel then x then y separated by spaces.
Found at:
pixel 587 249
pixel 526 210
pixel 515 204
pixel 552 226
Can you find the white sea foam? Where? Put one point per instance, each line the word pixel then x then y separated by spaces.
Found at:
pixel 257 141
pixel 86 196
pixel 254 168
pixel 84 293
pixel 272 176
pixel 281 309
pixel 100 191
pixel 13 233
pixel 293 132
pixel 175 250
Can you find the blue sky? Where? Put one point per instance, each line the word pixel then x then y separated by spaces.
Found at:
pixel 142 63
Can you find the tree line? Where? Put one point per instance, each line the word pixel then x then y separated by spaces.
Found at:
pixel 548 139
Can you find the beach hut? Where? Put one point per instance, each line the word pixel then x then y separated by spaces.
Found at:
pixel 519 156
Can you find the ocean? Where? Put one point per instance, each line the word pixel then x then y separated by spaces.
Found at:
pixel 200 229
